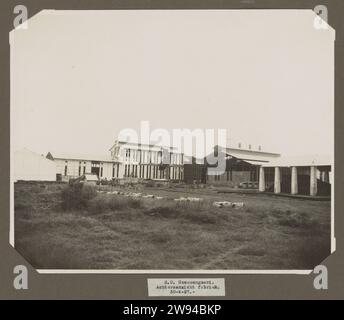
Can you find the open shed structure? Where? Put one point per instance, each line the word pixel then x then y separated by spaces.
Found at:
pixel 242 165
pixel 306 175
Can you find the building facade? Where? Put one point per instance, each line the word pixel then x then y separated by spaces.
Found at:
pixel 144 161
pixel 31 166
pixel 242 165
pixel 134 162
pixel 73 166
pixel 129 161
pixel 306 175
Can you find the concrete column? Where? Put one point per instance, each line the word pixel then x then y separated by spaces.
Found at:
pixel 326 177
pixel 322 175
pixel 313 181
pixel 277 186
pixel 261 179
pixel 294 185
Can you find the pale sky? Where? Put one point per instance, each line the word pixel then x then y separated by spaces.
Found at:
pixel 79 77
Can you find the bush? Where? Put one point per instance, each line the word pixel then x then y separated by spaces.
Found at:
pixel 103 203
pixel 77 196
pixel 120 202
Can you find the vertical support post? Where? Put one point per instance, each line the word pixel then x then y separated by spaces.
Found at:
pixel 277 184
pixel 322 176
pixel 313 181
pixel 294 184
pixel 326 176
pixel 261 179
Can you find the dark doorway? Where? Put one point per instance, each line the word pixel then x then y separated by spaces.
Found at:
pixel 285 180
pixel 95 171
pixel 95 167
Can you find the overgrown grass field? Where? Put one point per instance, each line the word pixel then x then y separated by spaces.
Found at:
pixel 58 226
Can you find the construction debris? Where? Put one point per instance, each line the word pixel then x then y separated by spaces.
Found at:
pixel 194 199
pixel 221 204
pixel 136 195
pixel 190 199
pixel 180 199
pixel 148 196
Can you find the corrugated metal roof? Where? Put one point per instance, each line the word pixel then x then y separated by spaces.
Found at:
pixel 300 161
pixel 250 151
pixel 260 159
pixel 251 155
pixel 81 157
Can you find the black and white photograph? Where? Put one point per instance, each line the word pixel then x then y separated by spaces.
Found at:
pixel 173 140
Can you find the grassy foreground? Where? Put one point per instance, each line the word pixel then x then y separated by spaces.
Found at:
pixel 55 228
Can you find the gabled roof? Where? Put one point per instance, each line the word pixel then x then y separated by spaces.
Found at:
pixel 80 157
pixel 31 153
pixel 254 156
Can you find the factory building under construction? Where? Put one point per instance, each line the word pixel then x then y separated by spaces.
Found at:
pixel 135 162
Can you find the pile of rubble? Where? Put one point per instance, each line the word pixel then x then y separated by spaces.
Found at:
pixel 221 204
pixel 218 204
pixel 132 194
pixel 189 199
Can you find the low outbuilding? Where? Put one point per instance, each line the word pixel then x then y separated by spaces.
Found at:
pixel 31 166
pixel 305 175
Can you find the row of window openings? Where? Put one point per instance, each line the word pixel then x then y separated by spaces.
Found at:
pixel 66 168
pixel 100 171
pixel 79 172
pixel 141 171
pixel 150 156
pixel 149 171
